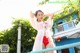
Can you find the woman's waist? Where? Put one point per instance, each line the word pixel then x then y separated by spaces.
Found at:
pixel 43 31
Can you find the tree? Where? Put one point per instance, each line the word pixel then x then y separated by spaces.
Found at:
pixel 1 37
pixel 43 2
pixel 27 36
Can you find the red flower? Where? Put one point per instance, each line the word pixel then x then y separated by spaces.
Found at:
pixel 45 41
pixel 58 39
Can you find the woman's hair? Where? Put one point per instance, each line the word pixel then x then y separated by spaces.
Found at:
pixel 37 12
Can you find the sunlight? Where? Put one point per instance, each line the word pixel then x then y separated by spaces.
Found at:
pixel 21 9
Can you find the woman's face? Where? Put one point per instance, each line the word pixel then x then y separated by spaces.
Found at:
pixel 40 15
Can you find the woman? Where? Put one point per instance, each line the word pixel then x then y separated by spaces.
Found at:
pixel 43 38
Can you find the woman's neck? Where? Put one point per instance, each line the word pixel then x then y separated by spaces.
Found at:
pixel 39 20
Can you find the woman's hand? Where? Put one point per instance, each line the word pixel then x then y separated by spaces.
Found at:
pixel 31 14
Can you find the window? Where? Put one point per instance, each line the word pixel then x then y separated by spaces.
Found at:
pixel 60 28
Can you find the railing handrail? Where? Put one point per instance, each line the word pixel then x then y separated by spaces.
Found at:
pixel 57 48
pixel 63 24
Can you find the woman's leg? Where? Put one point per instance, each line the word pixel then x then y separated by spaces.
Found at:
pixel 43 47
pixel 51 45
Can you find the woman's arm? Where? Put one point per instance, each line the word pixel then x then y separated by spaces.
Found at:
pixel 33 20
pixel 50 15
pixel 50 19
pixel 32 14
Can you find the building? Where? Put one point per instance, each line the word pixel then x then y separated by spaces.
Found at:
pixel 67 29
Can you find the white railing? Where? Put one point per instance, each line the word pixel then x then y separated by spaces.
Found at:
pixel 71 30
pixel 61 27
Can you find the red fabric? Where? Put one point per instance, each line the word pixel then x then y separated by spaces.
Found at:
pixel 45 41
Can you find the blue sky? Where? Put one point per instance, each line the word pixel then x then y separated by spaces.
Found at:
pixel 21 9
